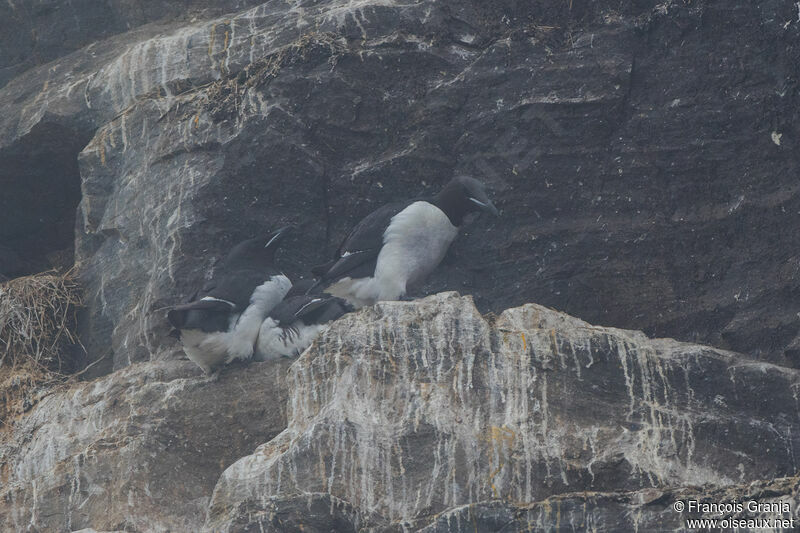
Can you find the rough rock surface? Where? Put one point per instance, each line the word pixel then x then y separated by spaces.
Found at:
pixel 34 32
pixel 406 411
pixel 139 450
pixel 645 510
pixel 644 154
pixel 645 159
pixel 50 112
pixel 413 416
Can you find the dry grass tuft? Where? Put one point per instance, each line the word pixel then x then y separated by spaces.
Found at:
pixel 37 320
pixel 37 324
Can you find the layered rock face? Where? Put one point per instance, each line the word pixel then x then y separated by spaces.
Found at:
pixel 34 32
pixel 49 54
pixel 643 154
pixel 413 416
pixel 644 157
pixel 139 450
pixel 409 410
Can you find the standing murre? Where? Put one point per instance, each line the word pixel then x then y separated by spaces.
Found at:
pixel 293 324
pixel 221 321
pixel 399 244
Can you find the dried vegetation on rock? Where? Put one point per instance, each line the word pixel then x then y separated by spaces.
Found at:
pixel 37 329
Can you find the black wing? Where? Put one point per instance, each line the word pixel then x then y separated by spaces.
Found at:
pixel 359 251
pixel 247 265
pixel 255 253
pixel 333 309
pixel 177 315
pixel 309 309
pixel 230 293
pixel 236 287
pixel 299 288
pixel 292 309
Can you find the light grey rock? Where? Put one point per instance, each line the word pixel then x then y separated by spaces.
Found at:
pixel 642 155
pixel 34 32
pixel 407 410
pixel 420 415
pixel 90 530
pixel 138 450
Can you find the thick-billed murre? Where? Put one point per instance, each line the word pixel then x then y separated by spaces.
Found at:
pixel 293 324
pixel 221 321
pixel 399 244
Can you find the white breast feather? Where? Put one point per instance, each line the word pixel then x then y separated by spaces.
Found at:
pixel 414 244
pixel 208 350
pixel 265 297
pixel 350 289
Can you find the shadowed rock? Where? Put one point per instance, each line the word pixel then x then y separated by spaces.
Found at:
pixel 637 189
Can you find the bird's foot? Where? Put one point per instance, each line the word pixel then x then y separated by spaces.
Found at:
pixel 210 375
pixel 234 357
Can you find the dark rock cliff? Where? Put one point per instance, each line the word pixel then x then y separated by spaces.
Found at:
pixel 644 154
pixel 645 159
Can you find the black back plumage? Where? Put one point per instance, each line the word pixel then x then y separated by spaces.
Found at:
pixel 300 287
pixel 232 283
pixel 358 254
pixel 317 309
pixel 206 315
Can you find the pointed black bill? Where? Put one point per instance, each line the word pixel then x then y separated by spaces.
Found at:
pixel 278 235
pixel 485 206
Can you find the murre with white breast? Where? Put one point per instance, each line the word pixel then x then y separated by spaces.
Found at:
pixel 294 323
pixel 399 244
pixel 221 321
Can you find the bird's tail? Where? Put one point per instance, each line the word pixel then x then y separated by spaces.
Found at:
pixel 315 288
pixel 320 270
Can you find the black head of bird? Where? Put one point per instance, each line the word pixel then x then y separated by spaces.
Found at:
pixel 463 195
pixel 213 306
pixel 257 251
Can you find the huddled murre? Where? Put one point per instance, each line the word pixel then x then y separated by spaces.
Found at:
pixel 293 324
pixel 398 245
pixel 250 309
pixel 221 321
